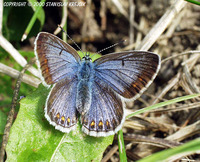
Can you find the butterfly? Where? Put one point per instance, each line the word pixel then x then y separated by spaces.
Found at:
pixel 92 92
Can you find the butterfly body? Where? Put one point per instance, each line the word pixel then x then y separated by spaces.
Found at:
pixel 84 87
pixel 95 91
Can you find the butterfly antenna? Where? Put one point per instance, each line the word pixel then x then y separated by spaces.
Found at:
pixel 70 38
pixel 112 46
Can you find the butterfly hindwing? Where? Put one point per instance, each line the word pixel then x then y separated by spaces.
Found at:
pixel 128 73
pixel 57 59
pixel 60 108
pixel 106 114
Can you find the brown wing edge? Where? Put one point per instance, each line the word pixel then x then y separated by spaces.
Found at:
pixel 41 59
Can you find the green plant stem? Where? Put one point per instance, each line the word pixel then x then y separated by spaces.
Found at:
pixel 194 2
pixel 161 104
pixel 122 149
pixel 183 150
pixel 32 21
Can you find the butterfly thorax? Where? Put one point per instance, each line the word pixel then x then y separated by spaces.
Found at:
pixel 86 68
pixel 84 87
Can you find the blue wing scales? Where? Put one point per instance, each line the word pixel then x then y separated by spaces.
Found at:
pixel 128 73
pixel 60 108
pixel 57 59
pixel 106 114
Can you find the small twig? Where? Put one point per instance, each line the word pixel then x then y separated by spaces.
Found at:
pixel 102 14
pixel 85 23
pixel 185 132
pixel 33 81
pixel 12 111
pixel 192 60
pixel 110 153
pixel 142 25
pixel 181 54
pixel 16 55
pixel 143 123
pixel 170 84
pixel 125 14
pixel 188 77
pixel 131 19
pixel 171 29
pixel 151 140
pixel 63 21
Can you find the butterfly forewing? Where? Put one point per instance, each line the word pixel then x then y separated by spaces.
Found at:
pixel 57 59
pixel 60 109
pixel 128 73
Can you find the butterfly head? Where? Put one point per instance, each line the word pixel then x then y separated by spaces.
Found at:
pixel 87 57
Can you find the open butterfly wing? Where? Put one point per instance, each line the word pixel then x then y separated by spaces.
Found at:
pixel 128 73
pixel 125 74
pixel 106 114
pixel 57 59
pixel 60 108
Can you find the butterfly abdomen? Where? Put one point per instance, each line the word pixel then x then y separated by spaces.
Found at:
pixel 84 87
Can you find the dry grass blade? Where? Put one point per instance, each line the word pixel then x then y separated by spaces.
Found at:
pixel 151 141
pixel 161 25
pixel 14 74
pixel 185 132
pixel 16 55
pixel 110 153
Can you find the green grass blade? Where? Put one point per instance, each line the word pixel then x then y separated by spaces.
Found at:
pixel 32 21
pixel 194 2
pixel 161 104
pixel 122 149
pixel 167 155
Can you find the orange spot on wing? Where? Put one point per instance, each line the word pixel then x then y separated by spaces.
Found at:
pixel 58 116
pixel 63 118
pixel 108 124
pixel 45 61
pixel 100 125
pixel 92 124
pixel 68 120
pixel 140 79
pixel 47 70
pixel 134 85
